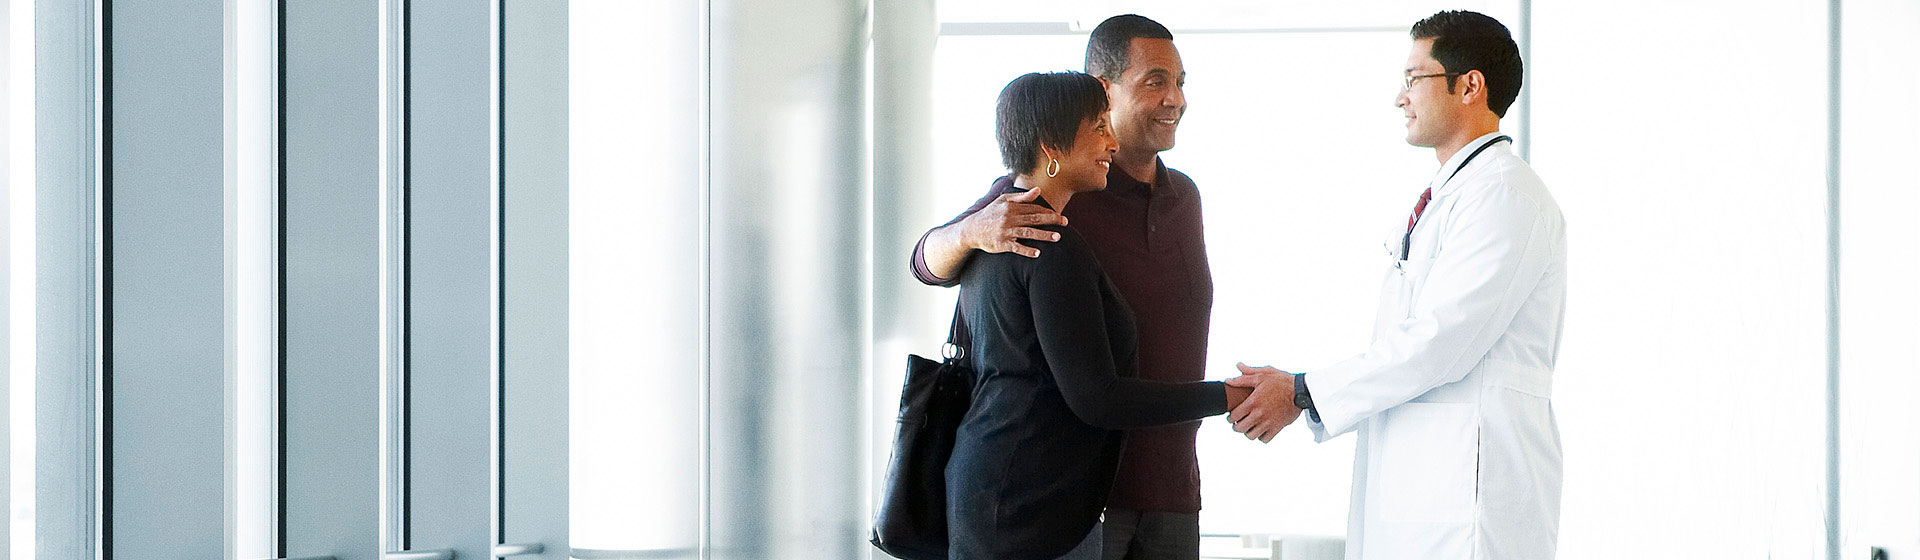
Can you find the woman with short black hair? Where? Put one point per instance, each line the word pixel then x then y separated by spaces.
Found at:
pixel 1053 351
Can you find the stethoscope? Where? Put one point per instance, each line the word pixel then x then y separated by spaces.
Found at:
pixel 1406 242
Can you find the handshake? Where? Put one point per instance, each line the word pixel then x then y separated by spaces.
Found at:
pixel 1268 407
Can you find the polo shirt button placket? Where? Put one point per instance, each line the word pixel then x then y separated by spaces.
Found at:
pixel 1153 225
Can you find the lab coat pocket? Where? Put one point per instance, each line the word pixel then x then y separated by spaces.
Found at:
pixel 1413 276
pixel 1429 469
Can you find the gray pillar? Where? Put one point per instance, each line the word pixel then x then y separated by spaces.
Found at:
pixel 787 246
pixel 165 306
pixel 331 278
pixel 534 370
pixel 451 300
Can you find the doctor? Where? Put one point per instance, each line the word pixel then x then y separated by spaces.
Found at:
pixel 1459 455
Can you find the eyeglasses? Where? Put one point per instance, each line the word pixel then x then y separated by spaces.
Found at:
pixel 1411 79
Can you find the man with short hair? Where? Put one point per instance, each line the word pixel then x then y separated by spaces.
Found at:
pixel 1459 454
pixel 1145 230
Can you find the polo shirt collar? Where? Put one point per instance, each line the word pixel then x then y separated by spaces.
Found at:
pixel 1119 182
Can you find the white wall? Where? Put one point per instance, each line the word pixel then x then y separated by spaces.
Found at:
pixel 1686 145
pixel 1880 380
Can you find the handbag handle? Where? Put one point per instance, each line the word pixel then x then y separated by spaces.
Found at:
pixel 958 338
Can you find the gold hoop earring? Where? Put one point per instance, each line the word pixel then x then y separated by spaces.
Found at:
pixel 1053 167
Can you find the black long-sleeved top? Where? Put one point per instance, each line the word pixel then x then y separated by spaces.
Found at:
pixel 1150 242
pixel 1055 358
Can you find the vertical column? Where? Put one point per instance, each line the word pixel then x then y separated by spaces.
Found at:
pixel 393 279
pixel 634 275
pixel 253 62
pixel 787 247
pixel 65 155
pixel 904 33
pixel 451 304
pixel 7 278
pixel 165 304
pixel 1523 107
pixel 1831 488
pixel 331 205
pixel 534 368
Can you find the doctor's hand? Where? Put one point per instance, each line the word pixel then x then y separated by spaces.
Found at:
pixel 1269 408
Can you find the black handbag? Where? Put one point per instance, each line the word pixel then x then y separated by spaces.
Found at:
pixel 911 521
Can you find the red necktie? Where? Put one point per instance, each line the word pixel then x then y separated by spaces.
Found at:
pixel 1419 208
pixel 1406 242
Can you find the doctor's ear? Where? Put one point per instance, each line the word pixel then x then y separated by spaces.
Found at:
pixel 1473 85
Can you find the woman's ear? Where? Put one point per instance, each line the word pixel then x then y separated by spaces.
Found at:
pixel 1048 157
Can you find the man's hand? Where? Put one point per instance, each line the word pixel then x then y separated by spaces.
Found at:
pixel 1000 226
pixel 1269 408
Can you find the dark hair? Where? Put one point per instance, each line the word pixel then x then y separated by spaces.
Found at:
pixel 1044 110
pixel 1107 48
pixel 1464 41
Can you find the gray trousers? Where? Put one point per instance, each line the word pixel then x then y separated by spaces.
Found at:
pixel 1089 548
pixel 1131 534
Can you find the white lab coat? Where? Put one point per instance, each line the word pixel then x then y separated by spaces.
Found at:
pixel 1459 454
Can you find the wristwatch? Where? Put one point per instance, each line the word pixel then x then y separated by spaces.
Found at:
pixel 1301 398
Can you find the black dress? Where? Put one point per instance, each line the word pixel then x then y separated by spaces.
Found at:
pixel 1054 352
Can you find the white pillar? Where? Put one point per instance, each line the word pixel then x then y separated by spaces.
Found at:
pixel 635 309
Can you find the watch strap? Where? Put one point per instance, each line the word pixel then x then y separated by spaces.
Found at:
pixel 1302 399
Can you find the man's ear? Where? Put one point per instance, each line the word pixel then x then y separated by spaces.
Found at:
pixel 1473 86
pixel 1104 84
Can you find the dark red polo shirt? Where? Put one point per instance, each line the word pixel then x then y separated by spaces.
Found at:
pixel 1149 240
